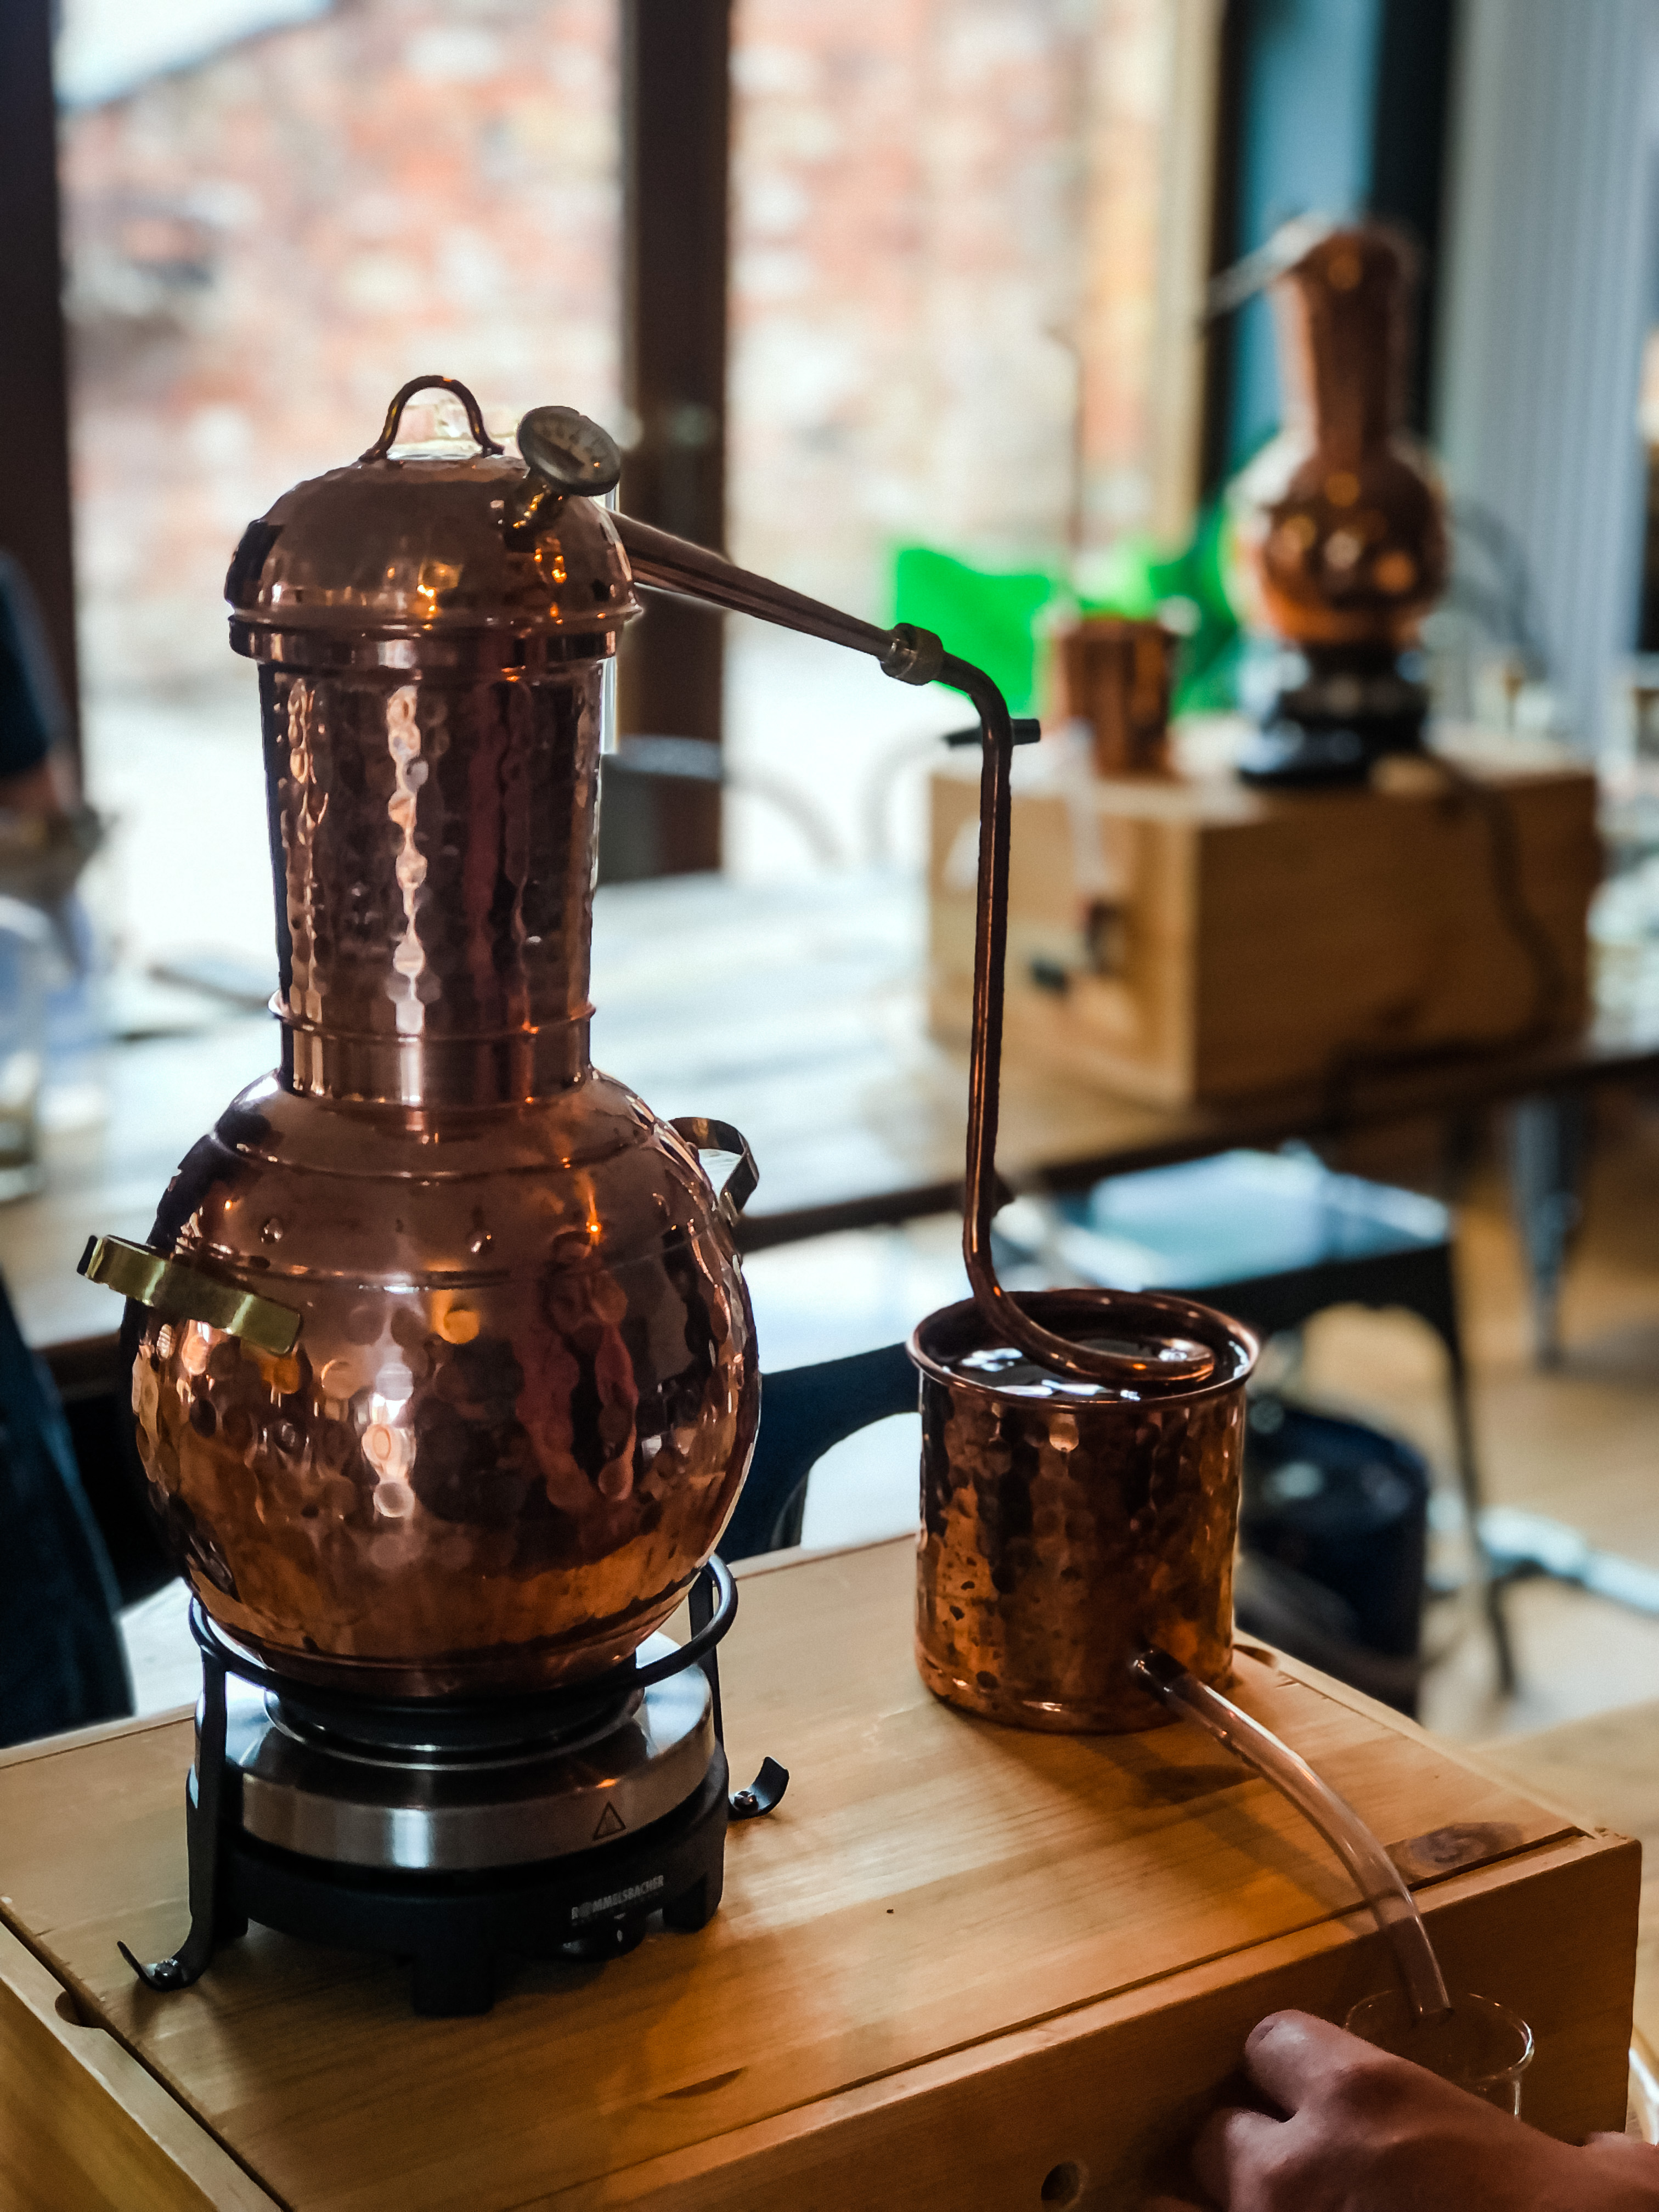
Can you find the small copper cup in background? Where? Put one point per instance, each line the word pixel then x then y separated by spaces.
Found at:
pixel 1063 1529
pixel 1115 675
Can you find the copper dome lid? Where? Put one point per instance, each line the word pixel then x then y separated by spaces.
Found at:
pixel 400 558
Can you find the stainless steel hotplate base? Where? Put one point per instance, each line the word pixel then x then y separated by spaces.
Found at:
pixel 452 1811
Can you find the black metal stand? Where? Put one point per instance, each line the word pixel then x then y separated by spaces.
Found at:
pixel 1548 1138
pixel 593 1904
pixel 1353 708
pixel 203 1822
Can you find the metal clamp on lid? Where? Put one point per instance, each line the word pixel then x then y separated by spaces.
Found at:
pixel 178 1292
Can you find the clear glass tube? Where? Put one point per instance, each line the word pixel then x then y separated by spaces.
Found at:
pixel 1379 1880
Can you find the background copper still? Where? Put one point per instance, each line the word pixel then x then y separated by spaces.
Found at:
pixel 1067 1527
pixel 1340 517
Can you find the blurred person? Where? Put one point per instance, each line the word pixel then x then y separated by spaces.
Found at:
pixel 1356 2129
pixel 34 774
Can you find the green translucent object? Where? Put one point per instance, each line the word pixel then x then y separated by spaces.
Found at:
pixel 995 618
pixel 989 619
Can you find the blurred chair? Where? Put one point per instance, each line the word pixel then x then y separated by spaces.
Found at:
pixel 641 762
pixel 804 1412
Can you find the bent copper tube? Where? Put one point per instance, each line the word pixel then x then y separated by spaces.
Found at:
pixel 665 563
pixel 1379 1880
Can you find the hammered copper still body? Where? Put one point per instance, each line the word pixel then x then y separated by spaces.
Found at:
pixel 1067 1527
pixel 524 1392
pixel 1340 517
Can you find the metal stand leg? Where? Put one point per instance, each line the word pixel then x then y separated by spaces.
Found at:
pixel 1426 1288
pixel 209 1916
pixel 1468 1482
pixel 1546 1154
pixel 767 1789
pixel 701 1605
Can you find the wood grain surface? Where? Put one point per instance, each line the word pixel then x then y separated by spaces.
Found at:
pixel 952 1947
pixel 83 2126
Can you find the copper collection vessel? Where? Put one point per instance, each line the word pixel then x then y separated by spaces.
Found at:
pixel 1114 673
pixel 1064 1528
pixel 444 1370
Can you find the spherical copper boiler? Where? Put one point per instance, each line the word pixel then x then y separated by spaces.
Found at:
pixel 524 1391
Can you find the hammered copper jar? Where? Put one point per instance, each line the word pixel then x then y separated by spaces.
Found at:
pixel 524 1391
pixel 1067 1525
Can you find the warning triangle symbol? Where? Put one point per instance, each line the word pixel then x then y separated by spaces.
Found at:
pixel 611 1823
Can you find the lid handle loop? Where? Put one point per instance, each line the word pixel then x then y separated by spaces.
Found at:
pixel 394 415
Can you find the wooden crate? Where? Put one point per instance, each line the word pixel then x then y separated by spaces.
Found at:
pixel 1254 939
pixel 957 1959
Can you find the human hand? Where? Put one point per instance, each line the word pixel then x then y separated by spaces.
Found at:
pixel 1364 2132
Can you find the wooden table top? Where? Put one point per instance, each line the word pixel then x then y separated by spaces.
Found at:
pixel 795 1011
pixel 930 1887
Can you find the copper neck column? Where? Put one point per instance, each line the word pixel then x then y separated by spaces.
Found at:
pixel 1344 309
pixel 433 849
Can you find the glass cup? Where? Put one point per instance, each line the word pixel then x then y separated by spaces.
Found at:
pixel 1481 2047
pixel 24 953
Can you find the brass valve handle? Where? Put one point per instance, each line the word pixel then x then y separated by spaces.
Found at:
pixel 400 399
pixel 706 1136
pixel 178 1292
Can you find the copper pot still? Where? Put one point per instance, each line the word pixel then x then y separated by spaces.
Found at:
pixel 443 1368
pixel 1340 517
pixel 1066 1525
pixel 445 1379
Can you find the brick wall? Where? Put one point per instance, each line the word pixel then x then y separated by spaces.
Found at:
pixel 264 247
pixel 945 279
pixel 940 208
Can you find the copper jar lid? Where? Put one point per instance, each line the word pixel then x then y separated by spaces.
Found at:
pixel 392 560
